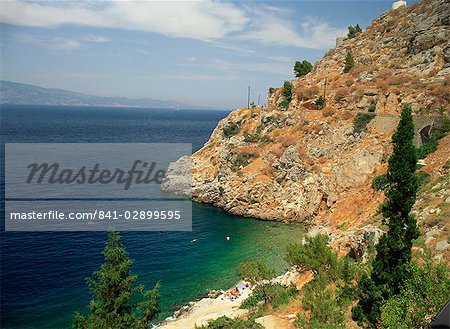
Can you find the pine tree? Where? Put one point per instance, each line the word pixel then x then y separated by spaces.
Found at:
pixel 302 68
pixel 117 302
pixel 391 266
pixel 353 31
pixel 349 62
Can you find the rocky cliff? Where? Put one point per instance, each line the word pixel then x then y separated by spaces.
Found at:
pixel 315 164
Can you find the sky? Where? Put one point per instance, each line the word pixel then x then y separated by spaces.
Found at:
pixel 203 53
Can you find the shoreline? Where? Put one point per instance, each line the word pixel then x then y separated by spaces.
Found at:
pixel 217 304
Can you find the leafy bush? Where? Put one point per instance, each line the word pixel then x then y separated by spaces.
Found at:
pixel 361 122
pixel 250 138
pixel 353 31
pixel 326 311
pixel 422 178
pixel 287 91
pixel 320 101
pixel 373 105
pixel 302 68
pixel 240 160
pixel 230 130
pixel 349 62
pixel 283 103
pixel 315 253
pixel 422 295
pixel 379 183
pixel 427 148
pixel 225 322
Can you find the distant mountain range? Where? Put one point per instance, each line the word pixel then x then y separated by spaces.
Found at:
pixel 20 93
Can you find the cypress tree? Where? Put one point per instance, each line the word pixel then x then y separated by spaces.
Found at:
pixel 349 62
pixel 391 266
pixel 287 91
pixel 117 302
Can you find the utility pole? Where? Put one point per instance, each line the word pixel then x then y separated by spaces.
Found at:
pixel 248 98
pixel 259 99
pixel 325 90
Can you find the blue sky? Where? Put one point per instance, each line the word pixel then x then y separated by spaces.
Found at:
pixel 198 52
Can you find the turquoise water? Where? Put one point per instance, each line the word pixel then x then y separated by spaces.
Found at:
pixel 42 274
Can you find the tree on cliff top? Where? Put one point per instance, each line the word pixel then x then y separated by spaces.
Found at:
pixel 391 267
pixel 117 302
pixel 353 31
pixel 302 68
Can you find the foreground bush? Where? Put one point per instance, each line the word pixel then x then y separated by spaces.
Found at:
pixel 421 297
pixel 117 302
pixel 325 308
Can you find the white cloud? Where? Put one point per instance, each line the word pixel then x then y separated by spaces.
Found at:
pixel 64 44
pixel 204 20
pixel 203 77
pixel 271 29
pixel 208 20
pixel 96 39
pixel 268 67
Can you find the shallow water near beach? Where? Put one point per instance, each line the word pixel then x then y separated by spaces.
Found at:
pixel 42 274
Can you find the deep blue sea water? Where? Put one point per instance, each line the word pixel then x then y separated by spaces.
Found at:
pixel 42 273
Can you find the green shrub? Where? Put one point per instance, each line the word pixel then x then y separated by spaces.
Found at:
pixel 240 160
pixel 283 103
pixel 320 101
pixel 230 130
pixel 349 62
pixel 250 138
pixel 227 323
pixel 287 91
pixel 427 148
pixel 442 127
pixel 422 295
pixel 422 178
pixel 379 183
pixel 361 122
pixel 265 139
pixel 302 68
pixel 275 294
pixel 387 25
pixel 446 165
pixel 315 253
pixel 353 31
pixel 321 300
pixel 373 105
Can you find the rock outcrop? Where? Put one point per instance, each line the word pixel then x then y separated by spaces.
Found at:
pixel 315 165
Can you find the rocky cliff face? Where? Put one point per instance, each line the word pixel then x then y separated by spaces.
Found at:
pixel 315 165
pixel 403 57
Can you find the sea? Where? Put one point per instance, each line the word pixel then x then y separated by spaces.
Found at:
pixel 43 273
